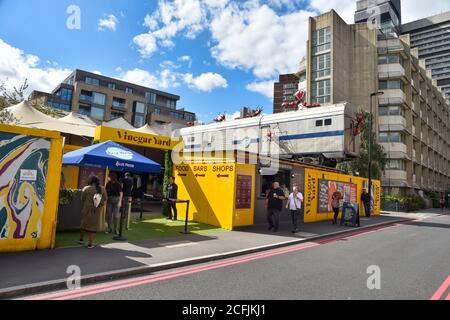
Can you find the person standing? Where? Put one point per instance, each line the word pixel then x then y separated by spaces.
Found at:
pixel 442 202
pixel 172 196
pixel 127 189
pixel 294 204
pixel 114 203
pixel 274 205
pixel 367 202
pixel 93 198
pixel 336 204
pixel 446 200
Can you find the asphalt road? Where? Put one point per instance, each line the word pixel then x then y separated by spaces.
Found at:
pixel 413 260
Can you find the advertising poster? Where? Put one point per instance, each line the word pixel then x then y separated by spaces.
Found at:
pixel 244 192
pixel 328 187
pixel 23 172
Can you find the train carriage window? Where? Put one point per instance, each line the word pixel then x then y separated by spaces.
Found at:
pixel 319 123
pixel 328 122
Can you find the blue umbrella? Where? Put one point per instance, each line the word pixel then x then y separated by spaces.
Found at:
pixel 113 156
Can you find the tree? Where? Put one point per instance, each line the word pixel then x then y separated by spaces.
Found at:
pixel 360 165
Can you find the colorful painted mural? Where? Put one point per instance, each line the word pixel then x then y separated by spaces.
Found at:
pixel 23 171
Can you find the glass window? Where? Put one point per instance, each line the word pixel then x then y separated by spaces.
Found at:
pixel 319 123
pixel 321 91
pixel 92 81
pixel 112 86
pixel 140 107
pixel 58 105
pixel 321 40
pixel 189 117
pixel 171 104
pixel 382 59
pixel 383 137
pixel 383 111
pixel 119 103
pixel 138 120
pixel 157 111
pixel 97 113
pixel 115 115
pixel 151 97
pixel 64 94
pixel 128 90
pixel 84 110
pixel 86 95
pixel 99 98
pixel 302 77
pixel 328 122
pixel 389 84
pixel 321 65
pixel 395 164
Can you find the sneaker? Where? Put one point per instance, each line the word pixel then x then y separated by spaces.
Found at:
pixel 81 242
pixel 90 246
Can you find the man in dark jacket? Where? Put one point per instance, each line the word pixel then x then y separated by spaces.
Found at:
pixel 172 195
pixel 367 202
pixel 274 205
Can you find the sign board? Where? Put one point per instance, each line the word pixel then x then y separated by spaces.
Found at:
pixel 135 138
pixel 350 214
pixel 243 192
pixel 326 190
pixel 28 175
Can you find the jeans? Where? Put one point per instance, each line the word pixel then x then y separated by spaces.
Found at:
pixel 336 214
pixel 113 214
pixel 367 208
pixel 273 218
pixel 294 217
pixel 173 206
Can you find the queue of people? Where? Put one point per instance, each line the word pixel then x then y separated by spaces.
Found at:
pixel 275 197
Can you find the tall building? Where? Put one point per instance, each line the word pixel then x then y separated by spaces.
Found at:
pixel 349 62
pixel 103 98
pixel 432 37
pixel 284 89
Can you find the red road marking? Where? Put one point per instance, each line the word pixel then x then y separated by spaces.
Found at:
pixel 440 292
pixel 111 286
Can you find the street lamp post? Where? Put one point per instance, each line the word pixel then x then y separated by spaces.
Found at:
pixel 378 93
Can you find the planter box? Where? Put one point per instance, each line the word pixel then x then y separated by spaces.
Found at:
pixel 69 215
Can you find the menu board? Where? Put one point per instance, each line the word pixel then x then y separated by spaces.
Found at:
pixel 326 190
pixel 86 172
pixel 244 192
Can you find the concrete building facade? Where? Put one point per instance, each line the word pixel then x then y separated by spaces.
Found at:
pixel 284 89
pixel 349 62
pixel 104 99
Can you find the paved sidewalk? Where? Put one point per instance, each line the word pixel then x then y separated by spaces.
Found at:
pixel 39 271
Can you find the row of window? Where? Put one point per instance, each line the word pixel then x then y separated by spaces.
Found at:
pixel 389 84
pixel 321 91
pixel 58 105
pixel 389 59
pixel 392 136
pixel 149 96
pixel 326 122
pixel 321 66
pixel 321 40
pixel 64 94
pixel 391 111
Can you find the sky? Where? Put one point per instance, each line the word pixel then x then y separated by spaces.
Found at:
pixel 217 55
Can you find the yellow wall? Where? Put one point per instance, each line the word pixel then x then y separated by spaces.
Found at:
pixel 70 172
pixel 213 197
pixel 51 197
pixel 311 193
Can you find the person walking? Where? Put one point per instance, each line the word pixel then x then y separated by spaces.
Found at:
pixel 274 205
pixel 367 202
pixel 442 202
pixel 336 204
pixel 93 198
pixel 294 204
pixel 172 196
pixel 114 203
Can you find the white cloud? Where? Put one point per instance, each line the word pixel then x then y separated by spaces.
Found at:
pixel 345 8
pixel 146 43
pixel 206 81
pixel 162 80
pixel 263 87
pixel 16 66
pixel 232 116
pixel 108 23
pixel 186 59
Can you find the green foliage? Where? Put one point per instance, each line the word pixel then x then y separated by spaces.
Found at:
pixel 167 175
pixel 66 196
pixel 413 203
pixel 360 166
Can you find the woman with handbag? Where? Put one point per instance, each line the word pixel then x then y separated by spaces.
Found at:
pixel 294 204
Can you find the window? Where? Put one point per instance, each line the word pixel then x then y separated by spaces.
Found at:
pixel 391 111
pixel 151 97
pixel 97 113
pixel 86 95
pixel 319 123
pixel 84 110
pixel 112 86
pixel 92 81
pixel 395 137
pixel 191 139
pixel 157 111
pixel 390 84
pixel 140 107
pixel 321 40
pixel 171 104
pixel 138 121
pixel 289 86
pixel 321 91
pixel 98 98
pixel 129 90
pixel 395 164
pixel 389 59
pixel 64 94
pixel 119 103
pixel 321 66
pixel 176 115
pixel 302 77
pixel 58 105
pixel 328 122
pixel 189 117
pixel 115 115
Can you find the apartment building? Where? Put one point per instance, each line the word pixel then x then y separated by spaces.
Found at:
pixel 349 62
pixel 431 36
pixel 104 99
pixel 284 89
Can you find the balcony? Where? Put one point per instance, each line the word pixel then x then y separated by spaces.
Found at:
pixel 392 123
pixel 392 96
pixel 395 150
pixel 396 175
pixel 390 45
pixel 393 70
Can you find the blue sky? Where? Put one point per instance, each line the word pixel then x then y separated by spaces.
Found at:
pixel 218 55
